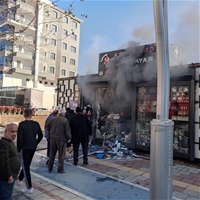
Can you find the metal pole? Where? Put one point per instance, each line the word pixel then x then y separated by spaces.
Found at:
pixel 161 157
pixel 37 43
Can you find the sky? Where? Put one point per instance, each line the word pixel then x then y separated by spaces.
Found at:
pixel 112 25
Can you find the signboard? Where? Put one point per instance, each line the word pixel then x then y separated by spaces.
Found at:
pixel 142 55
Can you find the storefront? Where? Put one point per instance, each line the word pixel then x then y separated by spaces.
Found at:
pixel 123 97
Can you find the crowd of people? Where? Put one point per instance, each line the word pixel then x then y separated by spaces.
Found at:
pixel 64 129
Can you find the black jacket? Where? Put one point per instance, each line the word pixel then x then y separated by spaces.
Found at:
pixel 29 135
pixel 80 128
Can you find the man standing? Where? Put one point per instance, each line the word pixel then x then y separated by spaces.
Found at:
pixel 60 134
pixel 9 162
pixel 81 131
pixel 29 136
pixel 47 134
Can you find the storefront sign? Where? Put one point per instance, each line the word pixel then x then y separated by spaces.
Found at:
pixel 143 54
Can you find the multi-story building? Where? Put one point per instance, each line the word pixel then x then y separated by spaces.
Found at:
pixel 39 43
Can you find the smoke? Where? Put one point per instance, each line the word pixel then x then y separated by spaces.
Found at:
pixel 184 30
pixel 145 33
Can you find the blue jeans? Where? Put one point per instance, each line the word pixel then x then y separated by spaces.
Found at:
pixel 6 189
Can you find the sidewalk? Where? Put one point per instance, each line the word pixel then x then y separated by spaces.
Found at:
pixel 45 189
pixel 134 171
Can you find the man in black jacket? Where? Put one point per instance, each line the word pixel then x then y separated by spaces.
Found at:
pixel 29 136
pixel 81 131
pixel 10 163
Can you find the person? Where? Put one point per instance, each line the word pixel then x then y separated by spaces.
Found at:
pixel 81 131
pixel 60 134
pixel 69 115
pixel 47 134
pixel 29 136
pixel 10 162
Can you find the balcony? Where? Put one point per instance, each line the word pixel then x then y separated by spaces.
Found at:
pixel 23 55
pixel 22 69
pixel 46 76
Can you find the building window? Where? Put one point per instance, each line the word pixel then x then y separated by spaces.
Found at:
pixel 65 32
pixel 65 20
pixel 54 14
pixel 71 74
pixel 46 26
pixel 52 70
pixel 53 42
pixel 52 56
pixel 54 28
pixel 64 59
pixel 45 83
pixel 44 69
pixel 40 81
pixel 52 84
pixel 74 24
pixel 18 63
pixel 63 72
pixel 64 45
pixel 73 49
pixel 73 37
pixel 72 61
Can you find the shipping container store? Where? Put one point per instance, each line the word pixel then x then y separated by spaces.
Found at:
pixel 123 98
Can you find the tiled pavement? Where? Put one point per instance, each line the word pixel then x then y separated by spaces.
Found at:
pixel 186 180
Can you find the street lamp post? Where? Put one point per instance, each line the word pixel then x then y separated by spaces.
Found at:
pixel 161 153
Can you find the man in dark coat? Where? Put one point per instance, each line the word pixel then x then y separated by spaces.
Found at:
pixel 10 163
pixel 60 134
pixel 69 115
pixel 81 132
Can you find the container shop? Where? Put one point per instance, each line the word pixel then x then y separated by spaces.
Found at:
pixel 123 98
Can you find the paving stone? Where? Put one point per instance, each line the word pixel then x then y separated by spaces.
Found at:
pixel 142 178
pixel 68 195
pixel 42 196
pixel 190 192
pixel 58 191
pixel 49 187
pixel 179 195
pixel 192 198
pixel 144 169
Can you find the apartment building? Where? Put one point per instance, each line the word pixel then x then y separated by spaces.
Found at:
pixel 39 43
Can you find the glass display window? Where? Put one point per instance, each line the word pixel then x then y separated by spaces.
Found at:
pixel 146 111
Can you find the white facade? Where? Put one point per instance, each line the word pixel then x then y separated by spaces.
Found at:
pixel 43 48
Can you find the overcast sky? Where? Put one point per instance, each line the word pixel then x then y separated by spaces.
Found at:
pixel 111 25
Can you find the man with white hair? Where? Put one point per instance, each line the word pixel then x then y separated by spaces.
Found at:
pixel 60 134
pixel 10 162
